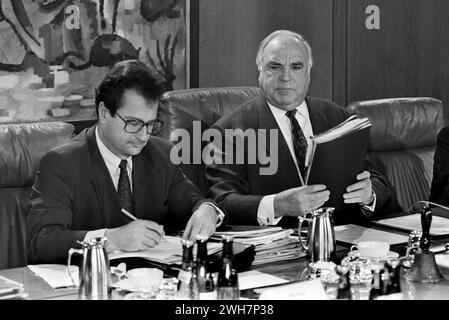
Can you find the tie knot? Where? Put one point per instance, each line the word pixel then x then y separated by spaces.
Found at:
pixel 123 164
pixel 291 113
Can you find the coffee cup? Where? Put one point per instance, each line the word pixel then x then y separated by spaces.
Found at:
pixel 372 249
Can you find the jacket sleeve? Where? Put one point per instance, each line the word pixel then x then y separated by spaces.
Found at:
pixel 439 191
pixel 229 181
pixel 49 212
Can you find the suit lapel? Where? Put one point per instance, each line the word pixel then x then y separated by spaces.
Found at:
pixel 102 183
pixel 284 159
pixel 317 117
pixel 146 177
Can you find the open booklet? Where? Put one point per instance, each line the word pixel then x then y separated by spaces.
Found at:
pixel 337 156
pixel 168 251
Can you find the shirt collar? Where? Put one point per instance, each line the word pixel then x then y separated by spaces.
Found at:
pixel 110 158
pixel 301 109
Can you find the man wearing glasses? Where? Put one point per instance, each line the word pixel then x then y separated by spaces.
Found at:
pixel 115 179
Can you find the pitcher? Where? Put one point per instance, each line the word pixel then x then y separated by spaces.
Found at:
pixel 94 274
pixel 320 244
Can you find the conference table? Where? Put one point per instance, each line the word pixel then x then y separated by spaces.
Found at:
pixel 291 270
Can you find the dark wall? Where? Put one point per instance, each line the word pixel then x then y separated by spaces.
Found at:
pixel 407 56
pixel 230 31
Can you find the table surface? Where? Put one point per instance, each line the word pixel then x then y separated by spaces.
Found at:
pixel 291 270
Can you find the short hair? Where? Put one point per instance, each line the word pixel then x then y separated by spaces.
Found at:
pixel 263 44
pixel 128 74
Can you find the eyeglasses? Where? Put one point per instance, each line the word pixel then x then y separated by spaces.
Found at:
pixel 134 126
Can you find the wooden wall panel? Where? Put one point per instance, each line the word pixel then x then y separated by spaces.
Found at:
pixel 407 56
pixel 230 32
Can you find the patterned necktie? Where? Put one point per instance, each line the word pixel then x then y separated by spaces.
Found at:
pixel 124 189
pixel 299 141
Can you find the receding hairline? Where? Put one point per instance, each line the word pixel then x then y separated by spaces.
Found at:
pixel 279 33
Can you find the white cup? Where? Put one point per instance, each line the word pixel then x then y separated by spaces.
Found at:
pixel 372 249
pixel 145 277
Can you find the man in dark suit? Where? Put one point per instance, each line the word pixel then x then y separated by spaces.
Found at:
pixel 112 173
pixel 439 191
pixel 284 60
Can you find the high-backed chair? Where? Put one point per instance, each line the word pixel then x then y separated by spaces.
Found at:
pixel 181 108
pixel 21 148
pixel 402 142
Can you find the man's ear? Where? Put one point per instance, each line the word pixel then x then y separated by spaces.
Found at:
pixel 103 113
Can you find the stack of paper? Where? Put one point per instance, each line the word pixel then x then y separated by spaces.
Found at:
pixel 271 243
pixel 168 251
pixel 10 289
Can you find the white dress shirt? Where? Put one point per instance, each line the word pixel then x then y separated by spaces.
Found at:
pixel 265 211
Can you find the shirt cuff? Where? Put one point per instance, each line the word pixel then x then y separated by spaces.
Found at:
pixel 369 208
pixel 220 213
pixel 265 211
pixel 100 233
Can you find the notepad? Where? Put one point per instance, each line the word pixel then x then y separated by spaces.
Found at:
pixel 353 234
pixel 254 279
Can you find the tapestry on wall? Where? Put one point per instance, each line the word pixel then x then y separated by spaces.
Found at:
pixel 54 53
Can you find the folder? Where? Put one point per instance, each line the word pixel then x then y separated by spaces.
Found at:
pixel 337 156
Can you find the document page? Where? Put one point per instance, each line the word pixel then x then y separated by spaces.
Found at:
pixel 439 226
pixel 353 234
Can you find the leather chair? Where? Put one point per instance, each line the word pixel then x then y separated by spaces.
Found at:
pixel 402 142
pixel 21 148
pixel 181 107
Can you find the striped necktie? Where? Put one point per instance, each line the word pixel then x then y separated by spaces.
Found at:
pixel 124 188
pixel 299 141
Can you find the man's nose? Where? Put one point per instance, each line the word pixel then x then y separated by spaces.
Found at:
pixel 285 74
pixel 143 134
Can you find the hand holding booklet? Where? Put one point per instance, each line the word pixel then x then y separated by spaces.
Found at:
pixel 337 156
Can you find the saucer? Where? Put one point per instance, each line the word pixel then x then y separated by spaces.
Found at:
pixel 389 256
pixel 128 285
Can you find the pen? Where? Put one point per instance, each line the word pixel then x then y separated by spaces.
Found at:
pixel 126 212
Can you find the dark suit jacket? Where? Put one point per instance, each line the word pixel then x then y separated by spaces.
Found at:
pixel 239 187
pixel 439 191
pixel 74 193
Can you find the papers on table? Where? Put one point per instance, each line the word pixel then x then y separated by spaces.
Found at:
pixel 304 290
pixel 10 289
pixel 439 226
pixel 248 231
pixel 271 243
pixel 168 251
pixel 353 234
pixel 56 275
pixel 254 279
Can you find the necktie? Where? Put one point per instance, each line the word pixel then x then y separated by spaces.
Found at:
pixel 124 189
pixel 299 141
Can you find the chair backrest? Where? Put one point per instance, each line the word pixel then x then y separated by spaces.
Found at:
pixel 402 142
pixel 181 108
pixel 21 148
